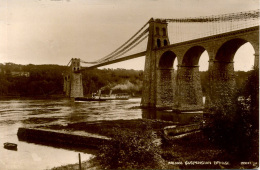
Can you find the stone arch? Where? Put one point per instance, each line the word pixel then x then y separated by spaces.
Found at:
pixel 223 81
pixel 166 80
pixel 192 56
pixel 228 49
pixel 167 59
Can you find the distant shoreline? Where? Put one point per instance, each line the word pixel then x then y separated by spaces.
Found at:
pixel 32 97
pixel 43 97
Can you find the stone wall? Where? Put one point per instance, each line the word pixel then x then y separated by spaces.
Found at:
pixel 186 93
pixel 166 88
pixel 157 32
pixel 189 91
pixel 76 86
pixel 66 84
pixel 61 138
pixel 223 85
pixel 72 85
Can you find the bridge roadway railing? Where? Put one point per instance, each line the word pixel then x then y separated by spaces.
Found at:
pixel 141 54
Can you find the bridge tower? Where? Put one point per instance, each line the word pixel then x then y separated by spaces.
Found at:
pixel 73 80
pixel 158 83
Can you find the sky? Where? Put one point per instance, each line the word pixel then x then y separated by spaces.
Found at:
pixel 54 31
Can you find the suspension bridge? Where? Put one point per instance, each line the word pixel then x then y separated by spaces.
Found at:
pixel 220 35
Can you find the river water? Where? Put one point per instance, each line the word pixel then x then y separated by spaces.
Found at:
pixel 15 113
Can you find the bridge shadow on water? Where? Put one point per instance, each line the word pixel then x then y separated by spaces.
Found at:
pixel 168 115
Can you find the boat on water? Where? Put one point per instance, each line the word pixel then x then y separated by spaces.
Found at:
pixel 88 99
pixel 10 146
pixel 119 96
pixel 122 96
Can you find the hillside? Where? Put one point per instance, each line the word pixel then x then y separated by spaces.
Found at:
pixel 45 80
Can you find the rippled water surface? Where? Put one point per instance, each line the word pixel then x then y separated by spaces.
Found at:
pixel 17 113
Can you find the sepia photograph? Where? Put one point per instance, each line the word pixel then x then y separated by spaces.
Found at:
pixel 129 84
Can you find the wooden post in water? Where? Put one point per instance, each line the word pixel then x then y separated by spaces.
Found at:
pixel 79 162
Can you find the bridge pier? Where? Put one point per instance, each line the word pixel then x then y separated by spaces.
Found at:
pixel 166 86
pixel 66 84
pixel 222 83
pixel 73 86
pixel 189 92
pixel 256 62
pixel 148 91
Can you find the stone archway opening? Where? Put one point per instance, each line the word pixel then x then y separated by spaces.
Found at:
pixel 244 57
pixel 225 80
pixel 228 50
pixel 167 60
pixel 166 80
pixel 204 62
pixel 192 56
pixel 236 54
pixel 204 74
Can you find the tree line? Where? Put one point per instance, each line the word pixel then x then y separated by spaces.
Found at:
pixel 45 80
pixel 42 80
pixel 119 80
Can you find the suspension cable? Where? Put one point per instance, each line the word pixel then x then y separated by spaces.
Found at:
pixel 214 19
pixel 69 62
pixel 118 56
pixel 129 45
pixel 222 17
pixel 119 52
pixel 82 61
pixel 103 58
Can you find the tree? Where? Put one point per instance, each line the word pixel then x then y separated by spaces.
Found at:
pixel 235 128
pixel 131 150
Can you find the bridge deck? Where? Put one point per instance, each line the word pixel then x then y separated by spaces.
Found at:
pixel 172 45
pixel 209 37
pixel 118 60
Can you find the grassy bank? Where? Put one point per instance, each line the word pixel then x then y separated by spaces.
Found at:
pixel 194 151
pixel 106 128
pixel 191 152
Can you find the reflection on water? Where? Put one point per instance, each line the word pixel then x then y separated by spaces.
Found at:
pixel 28 112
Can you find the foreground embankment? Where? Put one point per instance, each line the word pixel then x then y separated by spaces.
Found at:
pixel 61 138
pixel 182 146
pixel 93 134
pixel 82 135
